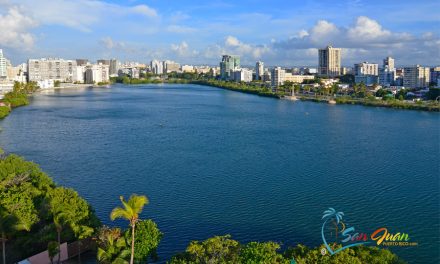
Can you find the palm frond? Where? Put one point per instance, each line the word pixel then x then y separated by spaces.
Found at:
pixel 119 212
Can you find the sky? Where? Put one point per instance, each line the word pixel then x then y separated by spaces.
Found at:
pixel 280 33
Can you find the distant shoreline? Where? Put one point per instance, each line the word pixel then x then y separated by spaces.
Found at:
pixel 396 104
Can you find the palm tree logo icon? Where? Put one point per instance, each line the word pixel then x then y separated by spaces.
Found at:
pixel 332 215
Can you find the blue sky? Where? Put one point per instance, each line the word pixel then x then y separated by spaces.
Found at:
pixel 286 33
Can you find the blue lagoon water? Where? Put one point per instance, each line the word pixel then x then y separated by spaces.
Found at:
pixel 216 162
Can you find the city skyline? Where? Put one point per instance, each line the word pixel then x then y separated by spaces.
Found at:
pixel 200 33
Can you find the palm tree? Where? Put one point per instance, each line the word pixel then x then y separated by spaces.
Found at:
pixel 331 213
pixel 132 208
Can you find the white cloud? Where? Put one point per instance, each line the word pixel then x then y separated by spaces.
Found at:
pixel 14 29
pixel 367 29
pixel 183 50
pixel 79 14
pixel 365 39
pixel 323 31
pixel 180 29
pixel 145 10
pixel 235 46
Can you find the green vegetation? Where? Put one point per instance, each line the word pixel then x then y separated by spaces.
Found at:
pixel 112 246
pixel 4 111
pixel 17 97
pixel 57 84
pixel 34 211
pixel 257 89
pixel 147 240
pixel 132 208
pixel 36 215
pixel 223 249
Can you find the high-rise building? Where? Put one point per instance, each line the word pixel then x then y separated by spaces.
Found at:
pixel 79 74
pixel 387 74
pixel 51 69
pixel 171 66
pixel 228 63
pixel 103 62
pixel 435 75
pixel 97 73
pixel 277 76
pixel 365 68
pixel 156 67
pixel 82 62
pixel 388 61
pixel 259 70
pixel 3 72
pixel 241 75
pixel 114 67
pixel 329 62
pixel 367 73
pixel 416 77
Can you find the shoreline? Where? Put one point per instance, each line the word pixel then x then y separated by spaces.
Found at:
pixel 396 104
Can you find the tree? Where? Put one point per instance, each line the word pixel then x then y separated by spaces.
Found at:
pixel 356 255
pixel 147 240
pixel 53 249
pixel 67 208
pixel 112 247
pixel 132 208
pixel 334 89
pixel 218 249
pixel 256 252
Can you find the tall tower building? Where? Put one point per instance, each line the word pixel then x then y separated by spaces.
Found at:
pixel 278 76
pixel 388 61
pixel 387 74
pixel 3 71
pixel 416 77
pixel 114 67
pixel 329 61
pixel 156 67
pixel 228 63
pixel 259 70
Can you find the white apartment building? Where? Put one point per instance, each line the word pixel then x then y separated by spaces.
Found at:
pixel 97 73
pixel 259 70
pixel 3 73
pixel 365 68
pixel 280 76
pixel 53 69
pixel 416 77
pixel 79 73
pixel 367 73
pixel 388 61
pixel 277 76
pixel 329 61
pixel 241 75
pixel 188 68
pixel 156 67
pixel 171 66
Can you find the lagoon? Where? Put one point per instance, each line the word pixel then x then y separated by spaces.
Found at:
pixel 216 162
